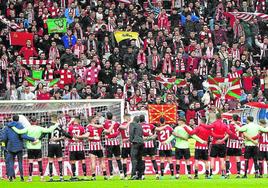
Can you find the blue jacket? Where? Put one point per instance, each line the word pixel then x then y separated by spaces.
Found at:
pixel 13 140
pixel 66 39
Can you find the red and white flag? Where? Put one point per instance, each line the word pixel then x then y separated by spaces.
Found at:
pixel 8 23
pixel 248 16
pixel 124 1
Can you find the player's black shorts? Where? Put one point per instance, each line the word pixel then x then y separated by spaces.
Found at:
pixel 54 150
pixel 251 152
pixel 113 151
pixel 149 152
pixel 201 154
pixel 263 155
pixel 125 153
pixel 165 153
pixel 77 155
pixel 34 153
pixel 218 150
pixel 98 153
pixel 233 152
pixel 182 153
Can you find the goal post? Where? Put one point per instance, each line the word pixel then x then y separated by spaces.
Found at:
pixel 85 107
pixel 65 109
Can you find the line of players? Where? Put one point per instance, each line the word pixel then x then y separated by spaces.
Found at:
pixel 225 142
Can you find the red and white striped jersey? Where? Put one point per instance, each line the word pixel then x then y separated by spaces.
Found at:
pixel 163 135
pixel 149 144
pixel 234 143
pixel 125 136
pixel 76 130
pixel 94 132
pixel 148 131
pixel 263 142
pixel 111 138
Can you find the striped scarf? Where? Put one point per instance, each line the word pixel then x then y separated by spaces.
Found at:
pixel 53 53
pixel 167 64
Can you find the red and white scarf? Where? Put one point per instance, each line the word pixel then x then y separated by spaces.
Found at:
pixel 141 58
pixel 167 64
pixel 49 75
pixel 155 61
pixel 8 82
pixel 4 62
pixel 22 74
pixel 78 50
pixel 53 53
pixel 80 71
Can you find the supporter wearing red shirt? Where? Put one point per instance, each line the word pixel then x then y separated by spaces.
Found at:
pixel 28 51
pixel 43 94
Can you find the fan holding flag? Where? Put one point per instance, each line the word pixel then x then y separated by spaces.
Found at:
pixel 224 88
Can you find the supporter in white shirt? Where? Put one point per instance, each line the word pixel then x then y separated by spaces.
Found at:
pixel 27 94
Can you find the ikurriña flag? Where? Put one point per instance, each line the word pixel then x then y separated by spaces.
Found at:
pixel 227 88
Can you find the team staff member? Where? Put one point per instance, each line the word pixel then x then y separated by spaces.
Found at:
pixel 14 147
pixel 252 130
pixel 34 149
pixel 137 145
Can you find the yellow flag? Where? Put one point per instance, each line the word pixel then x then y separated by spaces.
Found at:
pixel 123 35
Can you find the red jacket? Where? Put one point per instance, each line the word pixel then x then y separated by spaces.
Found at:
pixel 28 52
pixel 43 96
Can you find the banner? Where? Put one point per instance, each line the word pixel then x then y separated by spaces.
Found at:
pixel 225 88
pixel 149 170
pixel 123 35
pixel 20 38
pixel 168 111
pixel 58 25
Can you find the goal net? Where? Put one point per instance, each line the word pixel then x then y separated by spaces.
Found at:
pixel 66 109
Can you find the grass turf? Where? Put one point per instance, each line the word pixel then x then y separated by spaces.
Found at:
pixel 149 182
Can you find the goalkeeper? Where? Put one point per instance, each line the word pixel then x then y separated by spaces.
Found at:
pixel 34 150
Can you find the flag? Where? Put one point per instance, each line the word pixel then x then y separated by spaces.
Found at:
pixel 53 82
pixel 31 81
pixel 58 25
pixel 36 62
pixel 170 82
pixel 167 111
pixel 124 1
pixel 37 74
pixel 20 38
pixel 249 16
pixel 227 88
pixel 123 35
pixel 8 23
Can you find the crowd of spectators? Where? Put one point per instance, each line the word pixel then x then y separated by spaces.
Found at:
pixel 186 39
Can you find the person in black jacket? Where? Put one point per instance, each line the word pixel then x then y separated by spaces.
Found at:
pixel 136 139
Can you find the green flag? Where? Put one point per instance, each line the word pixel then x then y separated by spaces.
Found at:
pixel 58 25
pixel 37 74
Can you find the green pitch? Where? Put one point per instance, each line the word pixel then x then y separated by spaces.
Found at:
pixel 150 182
